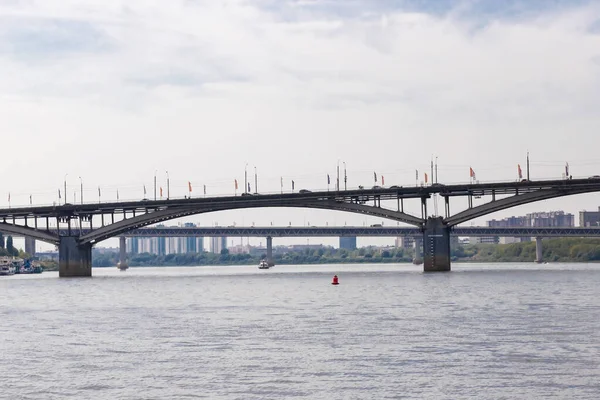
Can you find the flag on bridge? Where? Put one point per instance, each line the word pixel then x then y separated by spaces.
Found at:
pixel 205 190
pixel 144 190
pixel 328 180
pixel 249 190
pixel 160 192
pixel 375 176
pixel 293 185
pixel 59 194
pixel 567 170
pixel 190 186
pixel 425 177
pixel 416 174
pixel 236 185
pixel 382 180
pixel 520 172
pixel 117 194
pixel 98 192
pixel 471 173
pixel 9 197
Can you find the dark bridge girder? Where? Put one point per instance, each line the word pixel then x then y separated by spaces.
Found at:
pixel 508 202
pixel 30 232
pixel 154 217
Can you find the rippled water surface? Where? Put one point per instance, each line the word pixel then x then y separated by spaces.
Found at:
pixel 500 331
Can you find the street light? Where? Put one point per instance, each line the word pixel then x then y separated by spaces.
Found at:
pixel 337 182
pixel 255 181
pixel 155 172
pixel 345 177
pixel 168 189
pixel 246 178
pixel 65 193
pixel 81 186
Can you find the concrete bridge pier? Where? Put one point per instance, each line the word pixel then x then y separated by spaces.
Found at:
pixel 538 250
pixel 418 248
pixel 74 259
pixel 122 265
pixel 270 251
pixel 30 246
pixel 436 245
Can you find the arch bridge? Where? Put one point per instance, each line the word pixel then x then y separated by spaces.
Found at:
pixel 75 228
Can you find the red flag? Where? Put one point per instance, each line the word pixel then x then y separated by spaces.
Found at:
pixel 425 177
pixel 520 172
pixel 236 186
pixel 382 180
pixel 189 186
pixel 160 192
pixel 471 172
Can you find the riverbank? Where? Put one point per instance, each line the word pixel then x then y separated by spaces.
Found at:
pixel 554 250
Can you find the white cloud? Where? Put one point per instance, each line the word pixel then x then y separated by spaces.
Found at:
pixel 113 90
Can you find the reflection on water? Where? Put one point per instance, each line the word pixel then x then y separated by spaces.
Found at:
pixel 387 331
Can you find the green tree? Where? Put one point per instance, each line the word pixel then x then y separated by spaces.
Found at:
pixel 9 245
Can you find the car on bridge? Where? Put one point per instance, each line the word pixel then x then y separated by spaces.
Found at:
pixel 304 191
pixel 594 177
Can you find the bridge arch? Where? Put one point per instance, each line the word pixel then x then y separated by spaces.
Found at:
pixel 26 231
pixel 508 202
pixel 108 231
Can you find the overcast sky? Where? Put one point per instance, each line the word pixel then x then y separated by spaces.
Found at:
pixel 112 91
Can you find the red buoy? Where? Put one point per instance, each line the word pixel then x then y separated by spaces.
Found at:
pixel 335 280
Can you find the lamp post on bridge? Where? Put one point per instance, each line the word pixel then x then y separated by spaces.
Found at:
pixel 155 172
pixel 337 181
pixel 168 188
pixel 246 178
pixel 345 177
pixel 65 193
pixel 81 187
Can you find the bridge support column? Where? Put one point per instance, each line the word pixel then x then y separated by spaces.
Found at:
pixel 418 248
pixel 30 246
pixel 270 251
pixel 74 259
pixel 436 245
pixel 122 254
pixel 538 250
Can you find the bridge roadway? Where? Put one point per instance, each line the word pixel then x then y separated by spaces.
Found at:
pixel 75 246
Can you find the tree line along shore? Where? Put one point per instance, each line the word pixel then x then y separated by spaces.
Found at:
pixel 554 250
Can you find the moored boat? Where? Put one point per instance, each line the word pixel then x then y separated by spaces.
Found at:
pixel 6 266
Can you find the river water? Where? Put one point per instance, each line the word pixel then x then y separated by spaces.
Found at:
pixel 498 331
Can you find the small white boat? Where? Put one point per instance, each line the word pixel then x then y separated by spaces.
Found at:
pixel 264 264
